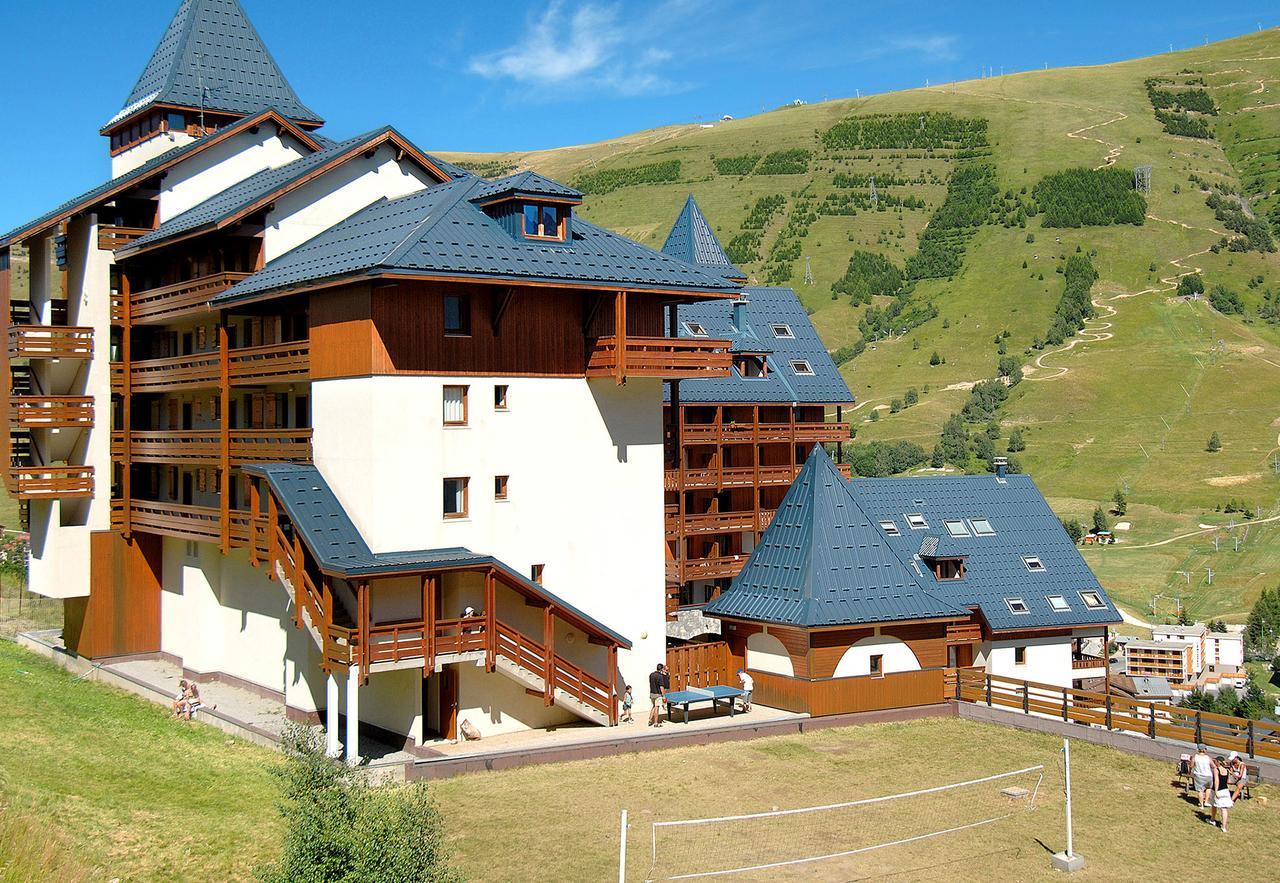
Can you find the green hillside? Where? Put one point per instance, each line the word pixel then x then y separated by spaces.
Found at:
pixel 1128 404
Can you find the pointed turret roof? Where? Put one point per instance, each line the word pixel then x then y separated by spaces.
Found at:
pixel 823 562
pixel 691 240
pixel 211 57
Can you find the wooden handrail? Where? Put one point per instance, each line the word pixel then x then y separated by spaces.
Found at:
pixel 34 411
pixel 670 357
pixel 49 482
pixel 203 445
pixel 50 342
pixel 166 302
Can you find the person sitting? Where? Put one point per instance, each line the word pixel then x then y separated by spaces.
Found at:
pixel 180 701
pixel 1237 775
pixel 193 703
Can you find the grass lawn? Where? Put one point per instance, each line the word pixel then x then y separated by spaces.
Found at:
pixel 99 784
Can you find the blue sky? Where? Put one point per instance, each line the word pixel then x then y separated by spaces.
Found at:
pixel 506 76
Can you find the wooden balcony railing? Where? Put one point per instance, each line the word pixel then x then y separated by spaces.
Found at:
pixel 50 412
pixel 170 373
pixel 736 476
pixel 50 342
pixel 112 236
pixel 273 363
pixel 666 357
pixel 168 302
pixel 763 433
pixel 49 482
pixel 1084 661
pixel 204 446
pixel 201 523
pixel 722 566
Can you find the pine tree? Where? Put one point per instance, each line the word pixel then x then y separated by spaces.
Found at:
pixel 1015 442
pixel 935 359
pixel 1215 444
pixel 1120 502
pixel 937 461
pixel 1100 520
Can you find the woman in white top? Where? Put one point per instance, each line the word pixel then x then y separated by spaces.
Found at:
pixel 1221 791
pixel 1202 774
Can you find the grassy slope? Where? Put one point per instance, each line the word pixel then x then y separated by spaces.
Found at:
pixel 116 790
pixel 1131 411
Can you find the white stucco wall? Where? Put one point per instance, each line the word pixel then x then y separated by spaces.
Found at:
pixel 1048 660
pixel 766 653
pixel 147 150
pixel 857 659
pixel 585 492
pixel 214 169
pixel 1224 649
pixel 496 704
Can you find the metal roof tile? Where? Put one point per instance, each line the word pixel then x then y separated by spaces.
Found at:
pixel 692 240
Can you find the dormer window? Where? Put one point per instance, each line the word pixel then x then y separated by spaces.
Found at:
pixel 544 221
pixel 948 568
pixel 751 366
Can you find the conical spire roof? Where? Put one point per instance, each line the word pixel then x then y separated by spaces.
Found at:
pixel 823 562
pixel 211 57
pixel 691 240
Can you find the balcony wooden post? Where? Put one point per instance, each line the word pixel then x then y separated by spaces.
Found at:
pixel 362 605
pixel 490 621
pixel 224 444
pixel 549 655
pixel 326 619
pixel 755 475
pixel 126 405
pixel 613 685
pixel 428 624
pixel 297 573
pixel 620 337
pixel 1106 659
pixel 273 525
pixel 253 524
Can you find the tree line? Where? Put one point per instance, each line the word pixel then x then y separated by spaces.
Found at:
pixel 967 205
pixel 1089 198
pixel 927 131
pixel 608 180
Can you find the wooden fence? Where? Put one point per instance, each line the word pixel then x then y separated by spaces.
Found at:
pixel 1152 719
pixel 699 665
pixel 825 696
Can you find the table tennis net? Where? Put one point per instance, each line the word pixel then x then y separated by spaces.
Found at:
pixel 866 837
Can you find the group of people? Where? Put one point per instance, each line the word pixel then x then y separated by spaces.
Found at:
pixel 660 683
pixel 187 702
pixel 1218 782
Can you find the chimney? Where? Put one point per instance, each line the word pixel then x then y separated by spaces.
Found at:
pixel 1002 466
pixel 740 313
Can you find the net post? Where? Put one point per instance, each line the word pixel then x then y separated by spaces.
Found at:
pixel 622 849
pixel 1068 860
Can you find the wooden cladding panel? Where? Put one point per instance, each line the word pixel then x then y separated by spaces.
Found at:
pixel 847 695
pixel 121 615
pixel 827 648
pixel 928 641
pixel 700 665
pixel 342 332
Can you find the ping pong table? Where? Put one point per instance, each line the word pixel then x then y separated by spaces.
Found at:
pixel 715 695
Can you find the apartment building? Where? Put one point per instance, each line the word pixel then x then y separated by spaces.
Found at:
pixel 1194 655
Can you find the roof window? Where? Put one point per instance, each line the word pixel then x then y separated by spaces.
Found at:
pixel 543 221
pixel 916 521
pixel 956 527
pixel 782 330
pixel 1033 563
pixel 891 528
pixel 695 329
pixel 1059 603
pixel 751 366
pixel 800 366
pixel 1017 605
pixel 982 527
pixel 1092 600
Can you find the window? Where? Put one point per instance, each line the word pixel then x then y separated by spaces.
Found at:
pixel 982 527
pixel 949 568
pixel 500 486
pixel 455 498
pixel 781 330
pixel 457 314
pixel 193 550
pixel 890 527
pixel 455 406
pixel 177 122
pixel 1019 655
pixel 1059 603
pixel 750 366
pixel 956 527
pixel 877 663
pixel 1033 563
pixel 1092 600
pixel 1017 605
pixel 543 221
pixel 916 521
pixel 800 366
pixel 500 397
pixel 695 328
pixel 535 572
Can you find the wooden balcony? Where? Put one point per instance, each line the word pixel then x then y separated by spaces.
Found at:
pixel 712 477
pixel 200 523
pixel 113 236
pixel 274 363
pixel 50 342
pixel 1085 661
pixel 168 302
pixel 203 447
pixel 50 412
pixel 670 358
pixel 49 482
pixel 763 433
pixel 718 522
pixel 718 567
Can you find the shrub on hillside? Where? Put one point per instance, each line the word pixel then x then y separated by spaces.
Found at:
pixel 868 274
pixel 966 207
pixel 608 180
pixel 784 162
pixel 911 131
pixel 736 165
pixel 1075 304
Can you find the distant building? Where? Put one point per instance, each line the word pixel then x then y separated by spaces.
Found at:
pixel 1190 656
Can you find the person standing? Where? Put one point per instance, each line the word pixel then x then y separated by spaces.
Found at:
pixel 657 690
pixel 628 701
pixel 1202 774
pixel 748 685
pixel 1221 791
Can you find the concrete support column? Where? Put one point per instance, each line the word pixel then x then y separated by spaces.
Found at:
pixel 332 746
pixel 353 714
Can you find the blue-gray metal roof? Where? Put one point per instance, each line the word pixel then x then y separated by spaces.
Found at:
pixel 135 176
pixel 692 240
pixel 211 57
pixel 761 309
pixel 822 562
pixel 525 184
pixel 340 550
pixel 441 232
pixel 994 569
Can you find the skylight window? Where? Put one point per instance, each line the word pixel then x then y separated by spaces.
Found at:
pixel 781 330
pixel 956 527
pixel 982 527
pixel 1092 600
pixel 891 528
pixel 1059 603
pixel 1017 605
pixel 1033 563
pixel 695 329
pixel 916 521
pixel 800 366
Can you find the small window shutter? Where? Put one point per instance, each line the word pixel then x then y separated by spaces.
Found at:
pixel 453 407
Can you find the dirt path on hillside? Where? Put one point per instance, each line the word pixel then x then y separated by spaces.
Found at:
pixel 1195 533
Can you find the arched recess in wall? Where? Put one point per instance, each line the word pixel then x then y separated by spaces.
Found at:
pixel 895 656
pixel 766 653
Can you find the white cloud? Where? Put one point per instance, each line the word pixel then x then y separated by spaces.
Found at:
pixel 939 46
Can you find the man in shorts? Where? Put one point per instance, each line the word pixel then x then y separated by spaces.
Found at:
pixel 748 685
pixel 658 682
pixel 1202 774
